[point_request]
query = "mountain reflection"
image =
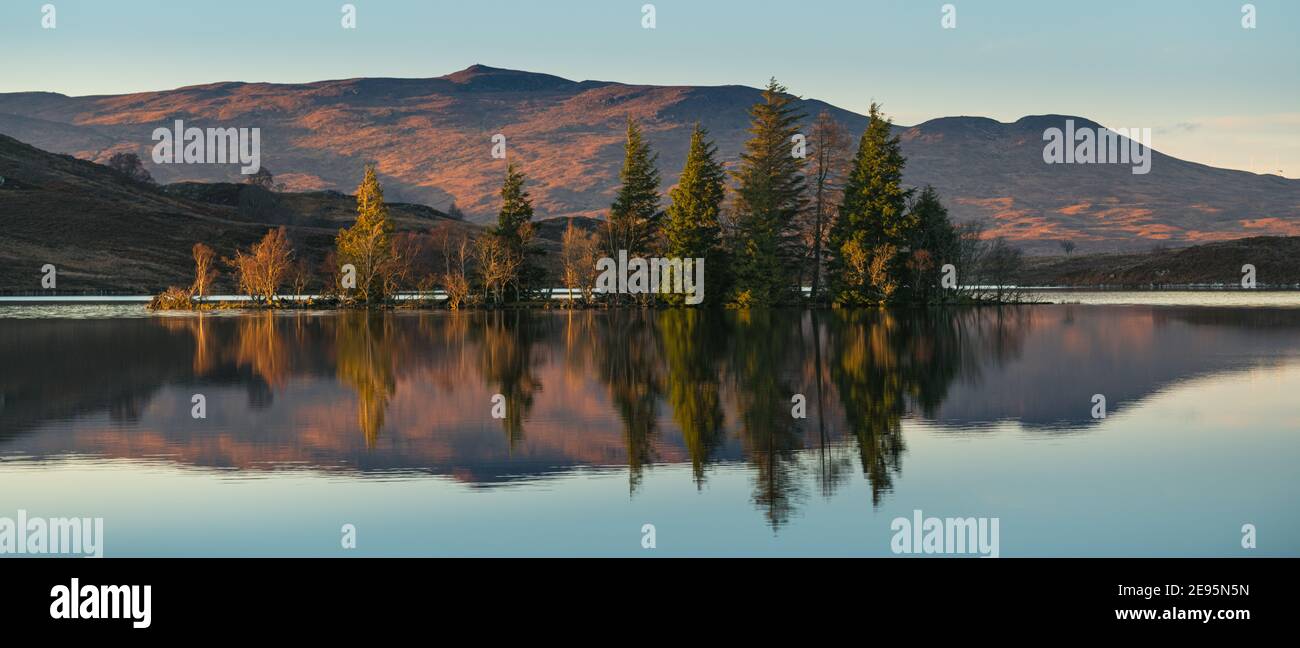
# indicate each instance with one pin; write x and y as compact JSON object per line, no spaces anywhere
{"x":412,"y":394}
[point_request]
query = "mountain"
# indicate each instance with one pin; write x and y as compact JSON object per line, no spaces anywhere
{"x":432,"y":140}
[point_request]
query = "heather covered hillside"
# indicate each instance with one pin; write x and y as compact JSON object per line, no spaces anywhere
{"x":432,"y":137}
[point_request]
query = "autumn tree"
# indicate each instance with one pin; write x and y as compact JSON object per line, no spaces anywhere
{"x":769,"y":195}
{"x":411,"y":262}
{"x":496,"y":264}
{"x":579,"y":253}
{"x":261,"y":271}
{"x":455,"y":278}
{"x":828,"y":165}
{"x":204,"y":272}
{"x":367,"y":245}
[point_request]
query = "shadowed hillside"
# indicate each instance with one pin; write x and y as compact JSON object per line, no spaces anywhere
{"x":104,"y":232}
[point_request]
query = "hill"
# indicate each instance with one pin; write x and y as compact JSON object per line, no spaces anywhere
{"x":106,"y":233}
{"x":1213,"y":263}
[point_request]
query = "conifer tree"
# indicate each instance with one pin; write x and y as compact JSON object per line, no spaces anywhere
{"x":692,"y":225}
{"x":769,"y":196}
{"x":515,"y":228}
{"x":874,"y":223}
{"x":516,"y":206}
{"x":933,"y":242}
{"x":634,"y":216}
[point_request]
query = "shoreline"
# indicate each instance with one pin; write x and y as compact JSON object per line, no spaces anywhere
{"x":226,"y":301}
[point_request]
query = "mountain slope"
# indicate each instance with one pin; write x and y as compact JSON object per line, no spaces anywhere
{"x":103,"y":232}
{"x":432,"y":140}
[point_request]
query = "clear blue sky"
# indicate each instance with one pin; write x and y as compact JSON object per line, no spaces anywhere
{"x":1210,"y":90}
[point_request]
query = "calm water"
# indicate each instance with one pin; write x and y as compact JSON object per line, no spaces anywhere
{"x":683,"y":420}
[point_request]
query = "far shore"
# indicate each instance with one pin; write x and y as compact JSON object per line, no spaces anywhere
{"x":561,"y":295}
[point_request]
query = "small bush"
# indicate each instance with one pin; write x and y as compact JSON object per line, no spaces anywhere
{"x":172,"y":299}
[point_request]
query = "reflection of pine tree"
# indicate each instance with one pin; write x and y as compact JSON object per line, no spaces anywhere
{"x":891,"y":362}
{"x":870,"y":384}
{"x":761,"y":366}
{"x":508,"y":366}
{"x":630,"y":368}
{"x":693,"y":342}
{"x":365,"y":351}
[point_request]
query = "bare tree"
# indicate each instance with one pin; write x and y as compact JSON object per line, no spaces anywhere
{"x":455,"y":281}
{"x":496,"y":264}
{"x":1067,"y":246}
{"x":970,"y":255}
{"x":1002,"y":263}
{"x":299,"y":277}
{"x":204,"y":273}
{"x":579,"y":252}
{"x":261,"y":271}
{"x":827,"y":169}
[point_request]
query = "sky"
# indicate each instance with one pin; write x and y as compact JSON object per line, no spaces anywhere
{"x":1210,"y":90}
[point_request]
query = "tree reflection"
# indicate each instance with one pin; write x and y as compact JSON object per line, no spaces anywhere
{"x":365,"y":352}
{"x":631,"y":368}
{"x":509,"y":366}
{"x":724,"y":379}
{"x":762,"y":368}
{"x":694,"y":342}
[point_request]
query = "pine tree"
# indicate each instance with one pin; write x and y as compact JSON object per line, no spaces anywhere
{"x":367,"y":245}
{"x":769,"y":197}
{"x":933,"y":242}
{"x":692,"y":226}
{"x":634,"y":216}
{"x":874,"y":223}
{"x":515,"y":228}
{"x":516,"y":205}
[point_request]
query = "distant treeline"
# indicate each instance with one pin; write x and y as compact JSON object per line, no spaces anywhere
{"x":798,"y":210}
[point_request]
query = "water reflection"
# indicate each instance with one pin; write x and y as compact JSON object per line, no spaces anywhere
{"x":413,"y":394}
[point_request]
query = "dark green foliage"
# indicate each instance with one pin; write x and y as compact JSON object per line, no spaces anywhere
{"x":769,"y":195}
{"x":933,"y":242}
{"x":873,"y":219}
{"x":515,"y":227}
{"x":692,"y":226}
{"x":634,"y":216}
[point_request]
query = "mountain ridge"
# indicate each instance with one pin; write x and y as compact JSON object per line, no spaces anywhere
{"x":431,"y":138}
